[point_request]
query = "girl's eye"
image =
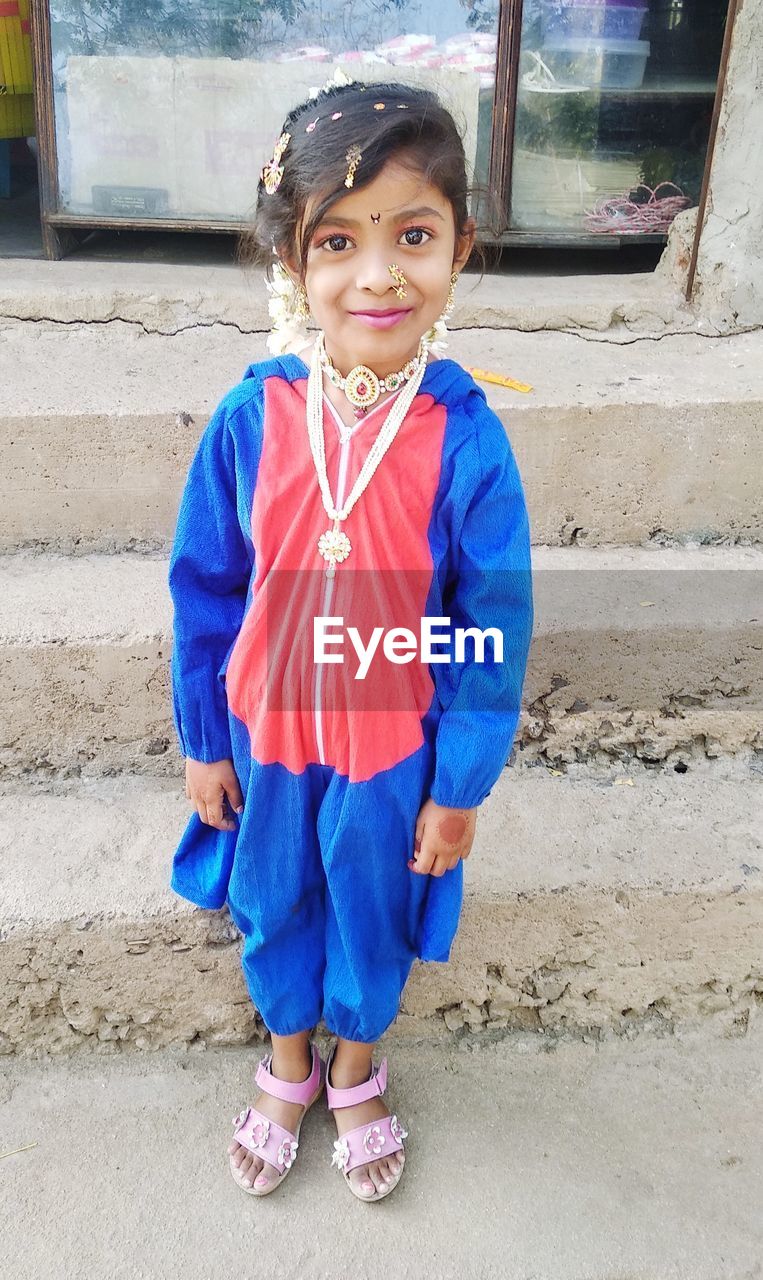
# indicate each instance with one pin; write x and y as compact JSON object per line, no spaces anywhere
{"x":335,"y":244}
{"x":415,"y":236}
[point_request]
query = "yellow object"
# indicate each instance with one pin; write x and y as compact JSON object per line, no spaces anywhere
{"x":16,"y":102}
{"x":484,"y":375}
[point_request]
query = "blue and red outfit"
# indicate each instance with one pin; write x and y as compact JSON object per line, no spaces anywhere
{"x":315,"y":875}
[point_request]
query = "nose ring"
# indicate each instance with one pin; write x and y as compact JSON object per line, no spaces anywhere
{"x":399,"y":280}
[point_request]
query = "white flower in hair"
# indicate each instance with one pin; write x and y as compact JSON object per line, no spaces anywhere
{"x":437,"y":337}
{"x":335,"y":82}
{"x":288,"y":331}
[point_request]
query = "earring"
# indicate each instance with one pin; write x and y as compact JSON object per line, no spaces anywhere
{"x":437,"y":337}
{"x":289,"y":310}
{"x":301,"y":304}
{"x":399,"y":280}
{"x":451,"y":299}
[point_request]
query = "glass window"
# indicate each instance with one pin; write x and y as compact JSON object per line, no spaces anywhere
{"x":613,"y":113}
{"x":169,"y":108}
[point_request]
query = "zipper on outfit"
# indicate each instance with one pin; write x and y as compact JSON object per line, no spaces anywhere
{"x":345,"y":434}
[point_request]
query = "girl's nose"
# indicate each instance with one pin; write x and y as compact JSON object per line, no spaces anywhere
{"x":373,"y":274}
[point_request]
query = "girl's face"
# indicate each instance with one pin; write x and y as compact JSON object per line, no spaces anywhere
{"x":397,"y":219}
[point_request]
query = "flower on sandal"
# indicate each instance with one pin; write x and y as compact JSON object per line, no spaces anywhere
{"x":341,"y":1156}
{"x":260,"y":1132}
{"x":240,"y":1118}
{"x":287,"y":1152}
{"x":397,"y":1130}
{"x":373,"y":1140}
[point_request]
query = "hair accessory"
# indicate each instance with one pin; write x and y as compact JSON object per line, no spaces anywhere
{"x":272,"y":172}
{"x":289,"y":309}
{"x":334,"y":82}
{"x":337,"y":115}
{"x":375,"y":217}
{"x":312,"y":124}
{"x":380,"y":106}
{"x":353,"y":159}
{"x":399,"y":279}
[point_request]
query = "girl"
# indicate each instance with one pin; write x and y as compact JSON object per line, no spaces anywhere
{"x":363,"y":479}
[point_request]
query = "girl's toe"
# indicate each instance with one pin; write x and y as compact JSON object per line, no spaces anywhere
{"x":252,"y":1170}
{"x":377,"y":1177}
{"x":265,"y":1175}
{"x":362,"y":1181}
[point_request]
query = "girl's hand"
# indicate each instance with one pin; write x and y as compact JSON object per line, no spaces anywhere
{"x":443,"y":836}
{"x":207,"y":785}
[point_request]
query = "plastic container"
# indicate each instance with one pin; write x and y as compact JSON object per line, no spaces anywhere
{"x":611,"y":21}
{"x":597,"y":63}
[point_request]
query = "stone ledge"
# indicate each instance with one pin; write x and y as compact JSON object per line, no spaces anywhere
{"x":627,"y":659}
{"x":651,"y":441}
{"x":589,"y":906}
{"x":168,"y":298}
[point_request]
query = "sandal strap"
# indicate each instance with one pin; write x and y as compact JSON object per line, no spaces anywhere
{"x":264,"y":1138}
{"x":371,"y":1088}
{"x":368,"y":1142}
{"x":301,"y":1092}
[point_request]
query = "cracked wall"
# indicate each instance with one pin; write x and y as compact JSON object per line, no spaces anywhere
{"x":728,"y":290}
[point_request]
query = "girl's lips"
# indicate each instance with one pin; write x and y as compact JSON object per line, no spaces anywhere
{"x":382,"y":319}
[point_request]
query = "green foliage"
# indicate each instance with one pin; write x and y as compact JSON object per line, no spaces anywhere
{"x":227,"y":27}
{"x":673,"y":164}
{"x":558,"y":124}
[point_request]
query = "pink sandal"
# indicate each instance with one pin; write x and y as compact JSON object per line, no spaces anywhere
{"x":261,"y":1135}
{"x":369,"y":1141}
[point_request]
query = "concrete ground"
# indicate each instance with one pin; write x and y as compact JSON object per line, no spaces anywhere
{"x":529,"y":1159}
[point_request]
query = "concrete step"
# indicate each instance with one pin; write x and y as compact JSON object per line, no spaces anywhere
{"x":169,"y":297}
{"x":649,"y":652}
{"x":593,"y":904}
{"x":590,"y":1162}
{"x":648,"y":442}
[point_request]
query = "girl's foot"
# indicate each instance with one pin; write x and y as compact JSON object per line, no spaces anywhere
{"x":256,"y":1172}
{"x":375,"y":1176}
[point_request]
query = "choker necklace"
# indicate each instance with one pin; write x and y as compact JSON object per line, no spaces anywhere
{"x":334,"y":545}
{"x":362,"y":387}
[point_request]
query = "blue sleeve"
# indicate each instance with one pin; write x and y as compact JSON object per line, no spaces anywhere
{"x":492,"y":588}
{"x":209,"y":573}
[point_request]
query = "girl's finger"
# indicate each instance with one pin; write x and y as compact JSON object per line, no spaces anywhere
{"x":422,"y":861}
{"x":235,"y":798}
{"x":216,"y":814}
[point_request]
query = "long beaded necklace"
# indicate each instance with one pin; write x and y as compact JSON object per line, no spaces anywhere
{"x":362,"y":387}
{"x":333,"y":544}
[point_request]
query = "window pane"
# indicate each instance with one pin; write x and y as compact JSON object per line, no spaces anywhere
{"x":169,"y":108}
{"x":613,"y":113}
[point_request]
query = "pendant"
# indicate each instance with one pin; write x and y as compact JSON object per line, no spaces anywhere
{"x":334,"y":546}
{"x":361,"y":386}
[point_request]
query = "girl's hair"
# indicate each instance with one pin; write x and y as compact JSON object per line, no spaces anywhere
{"x":413,"y":126}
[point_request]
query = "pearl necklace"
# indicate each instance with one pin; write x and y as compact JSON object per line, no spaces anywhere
{"x":362,"y":387}
{"x":333,"y":544}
